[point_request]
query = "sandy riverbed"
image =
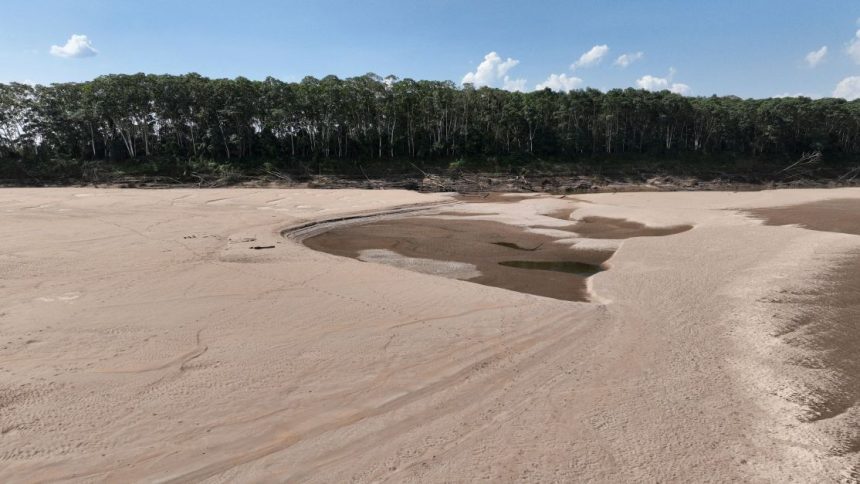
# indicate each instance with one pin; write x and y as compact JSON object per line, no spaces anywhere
{"x":142,"y":337}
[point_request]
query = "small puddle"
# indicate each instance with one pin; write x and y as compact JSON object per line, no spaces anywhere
{"x":579,"y":268}
{"x":495,"y":250}
{"x":480,"y":251}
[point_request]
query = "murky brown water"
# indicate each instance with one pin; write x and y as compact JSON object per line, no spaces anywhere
{"x":485,"y":244}
{"x":578,"y":268}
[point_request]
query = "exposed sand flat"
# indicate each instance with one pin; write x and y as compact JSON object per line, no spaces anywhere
{"x":142,"y":338}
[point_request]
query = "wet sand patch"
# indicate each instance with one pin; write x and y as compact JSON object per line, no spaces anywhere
{"x":836,"y":215}
{"x":449,"y":269}
{"x":616,"y":228}
{"x":484,"y":244}
{"x":824,"y":335}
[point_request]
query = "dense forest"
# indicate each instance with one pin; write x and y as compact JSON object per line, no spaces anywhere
{"x":179,"y":124}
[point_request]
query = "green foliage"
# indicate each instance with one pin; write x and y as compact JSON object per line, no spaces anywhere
{"x":457,"y":164}
{"x":181,"y":125}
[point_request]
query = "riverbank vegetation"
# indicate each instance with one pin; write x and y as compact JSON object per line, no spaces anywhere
{"x":179,"y":126}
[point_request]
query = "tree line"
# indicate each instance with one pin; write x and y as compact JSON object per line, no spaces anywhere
{"x":139,"y":119}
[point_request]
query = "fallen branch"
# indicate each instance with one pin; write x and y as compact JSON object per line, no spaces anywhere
{"x":805,"y":160}
{"x":369,"y":181}
{"x":853,"y":173}
{"x":279,"y":175}
{"x":419,"y":169}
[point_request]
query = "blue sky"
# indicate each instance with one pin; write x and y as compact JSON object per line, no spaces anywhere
{"x":751,"y":48}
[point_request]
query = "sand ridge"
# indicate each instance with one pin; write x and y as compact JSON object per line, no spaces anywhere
{"x":144,"y":339}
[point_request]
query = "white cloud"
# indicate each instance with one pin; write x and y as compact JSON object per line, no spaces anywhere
{"x":854,"y":48}
{"x":514,"y":84}
{"x":77,"y":46}
{"x":560,"y":82}
{"x":680,"y":88}
{"x":652,"y":83}
{"x":848,"y":88}
{"x":507,"y":65}
{"x":816,"y":56}
{"x":493,"y":71}
{"x":591,"y":57}
{"x":625,"y":60}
